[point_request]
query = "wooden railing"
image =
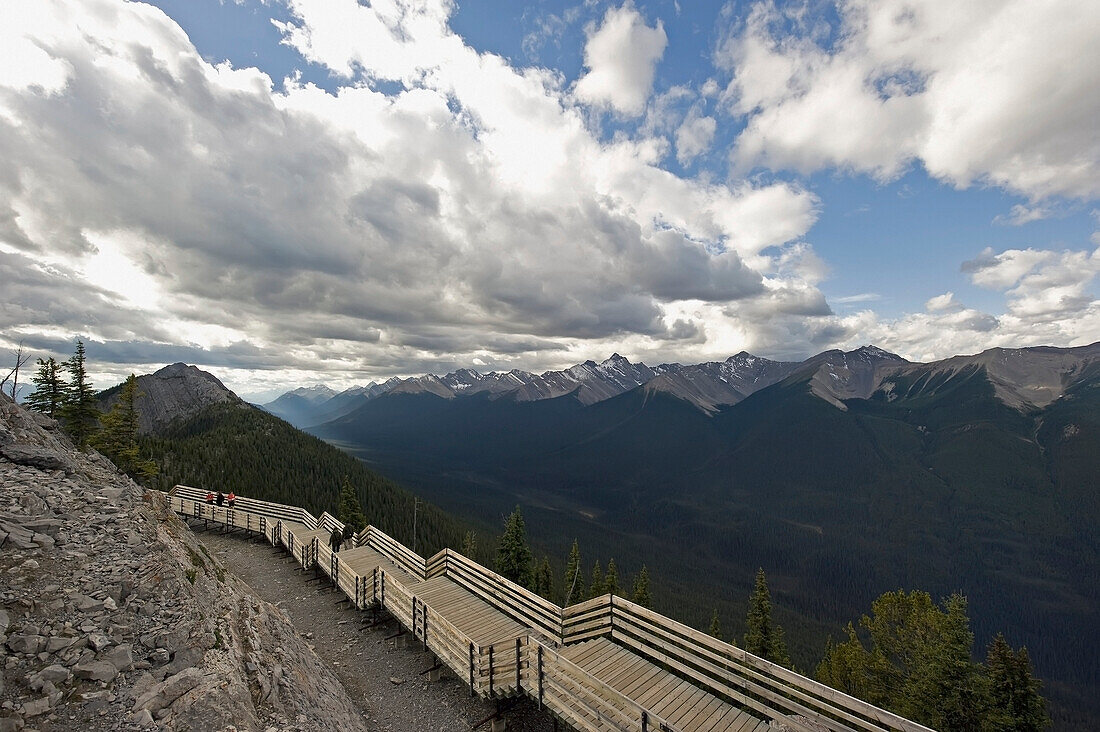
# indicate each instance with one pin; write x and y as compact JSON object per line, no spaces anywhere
{"x":532,"y":664}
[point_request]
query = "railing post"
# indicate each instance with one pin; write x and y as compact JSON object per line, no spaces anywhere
{"x":518,"y":680}
{"x":383,"y":573}
{"x":424,"y":623}
{"x":540,"y":675}
{"x":374,"y":585}
{"x":414,"y":616}
{"x":645,"y":721}
{"x":491,"y":672}
{"x":358,"y":579}
{"x":472,"y":692}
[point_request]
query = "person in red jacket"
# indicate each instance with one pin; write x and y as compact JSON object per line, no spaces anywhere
{"x":231,"y":499}
{"x":210,"y":498}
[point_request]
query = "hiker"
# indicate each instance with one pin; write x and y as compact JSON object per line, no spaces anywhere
{"x":336,"y":540}
{"x":220,"y":499}
{"x":210,"y":498}
{"x":231,"y":499}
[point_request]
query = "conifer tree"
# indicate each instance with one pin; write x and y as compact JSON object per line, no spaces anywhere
{"x":764,"y":638}
{"x":1015,"y":704}
{"x":513,"y":554}
{"x":611,"y":579}
{"x":117,"y":436}
{"x":946,"y":685}
{"x":715,"y":625}
{"x":469,"y":545}
{"x":49,"y":391}
{"x":640,"y":593}
{"x":79,"y":411}
{"x":544,"y":580}
{"x":350,"y":511}
{"x":574,"y":583}
{"x":596,"y":587}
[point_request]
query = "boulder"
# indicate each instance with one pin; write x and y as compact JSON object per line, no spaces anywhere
{"x":121,"y":657}
{"x":26,"y":643}
{"x":95,"y":670}
{"x":163,"y":694}
{"x":34,"y":456}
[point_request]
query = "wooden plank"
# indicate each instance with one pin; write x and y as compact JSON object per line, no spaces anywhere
{"x":793,"y":679}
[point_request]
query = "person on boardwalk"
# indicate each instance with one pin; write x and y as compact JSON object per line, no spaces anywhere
{"x":210,"y":498}
{"x":220,"y":499}
{"x":231,"y":499}
{"x":336,"y":540}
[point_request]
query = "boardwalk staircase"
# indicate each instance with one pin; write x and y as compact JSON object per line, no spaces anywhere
{"x":604,"y":664}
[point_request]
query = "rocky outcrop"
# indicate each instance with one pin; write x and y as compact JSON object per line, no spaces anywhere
{"x":173,"y":392}
{"x":114,"y":617}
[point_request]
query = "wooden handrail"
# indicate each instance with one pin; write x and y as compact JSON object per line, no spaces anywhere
{"x":714,"y":666}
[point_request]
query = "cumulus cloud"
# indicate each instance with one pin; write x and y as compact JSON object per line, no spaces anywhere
{"x":621,"y":56}
{"x":958,"y":87}
{"x":468,"y":213}
{"x":694,"y":135}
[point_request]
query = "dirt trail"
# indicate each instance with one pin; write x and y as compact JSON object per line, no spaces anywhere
{"x":387,"y":683}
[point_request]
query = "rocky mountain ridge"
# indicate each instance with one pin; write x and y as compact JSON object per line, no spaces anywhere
{"x":112,"y":615}
{"x":1024,"y":378}
{"x":175,"y":391}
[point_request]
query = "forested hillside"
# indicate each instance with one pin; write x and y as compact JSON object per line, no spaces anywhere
{"x":236,"y":447}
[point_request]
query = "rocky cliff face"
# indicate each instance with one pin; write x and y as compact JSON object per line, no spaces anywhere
{"x":174,"y":391}
{"x":113,"y":616}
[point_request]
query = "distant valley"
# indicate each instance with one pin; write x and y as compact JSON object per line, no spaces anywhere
{"x":844,"y":475}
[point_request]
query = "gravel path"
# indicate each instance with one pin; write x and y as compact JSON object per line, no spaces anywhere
{"x":387,"y":683}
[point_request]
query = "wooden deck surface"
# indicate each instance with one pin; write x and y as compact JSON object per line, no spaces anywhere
{"x":477,"y":619}
{"x":684,"y":705}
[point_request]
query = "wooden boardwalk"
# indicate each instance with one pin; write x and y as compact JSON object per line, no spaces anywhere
{"x":605,"y":664}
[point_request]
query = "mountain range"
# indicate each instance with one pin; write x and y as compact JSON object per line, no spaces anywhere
{"x":843,"y":476}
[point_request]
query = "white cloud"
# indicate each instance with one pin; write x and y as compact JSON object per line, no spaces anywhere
{"x":1021,"y":214}
{"x":621,"y":56}
{"x":187,"y":206}
{"x":694,"y":136}
{"x":1001,"y":271}
{"x":942,"y":303}
{"x":961,"y":88}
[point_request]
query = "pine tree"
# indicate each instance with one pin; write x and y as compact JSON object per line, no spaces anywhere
{"x":596,"y":587}
{"x":118,"y":434}
{"x":544,"y":580}
{"x":513,"y":554}
{"x":640,"y":594}
{"x":843,"y":665}
{"x":715,"y":625}
{"x":350,"y":511}
{"x":946,"y":686}
{"x":764,"y":638}
{"x":574,"y":583}
{"x":1015,"y":704}
{"x":49,"y":391}
{"x":469,"y":545}
{"x":79,"y":411}
{"x":611,"y":579}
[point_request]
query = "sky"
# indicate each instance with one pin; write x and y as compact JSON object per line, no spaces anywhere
{"x":291,"y":192}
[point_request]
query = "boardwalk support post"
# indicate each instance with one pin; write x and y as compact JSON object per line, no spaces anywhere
{"x":645,"y":721}
{"x":540,"y":678}
{"x":472,"y":692}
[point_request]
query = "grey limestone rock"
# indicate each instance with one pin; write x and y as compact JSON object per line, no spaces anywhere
{"x":167,"y":691}
{"x":95,"y":670}
{"x":34,"y":456}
